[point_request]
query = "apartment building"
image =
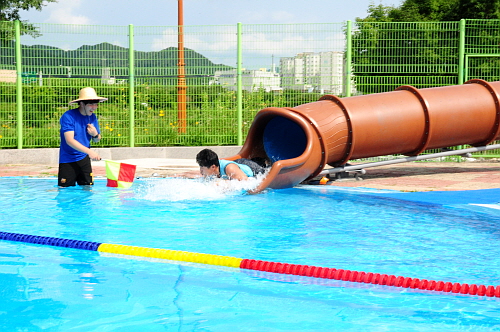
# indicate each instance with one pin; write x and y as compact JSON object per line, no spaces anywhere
{"x":322,"y":72}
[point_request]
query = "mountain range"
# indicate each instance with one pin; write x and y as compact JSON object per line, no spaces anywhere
{"x":89,"y":60}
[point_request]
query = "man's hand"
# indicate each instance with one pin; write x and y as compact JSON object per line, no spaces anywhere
{"x":91,"y":130}
{"x":94,"y":155}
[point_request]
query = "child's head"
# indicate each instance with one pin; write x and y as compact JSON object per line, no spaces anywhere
{"x":209,"y":162}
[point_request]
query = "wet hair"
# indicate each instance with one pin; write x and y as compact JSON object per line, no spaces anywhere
{"x":207,"y":158}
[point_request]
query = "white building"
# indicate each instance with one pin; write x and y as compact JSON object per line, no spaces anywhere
{"x":292,"y":73}
{"x":251,"y":80}
{"x":323,"y":72}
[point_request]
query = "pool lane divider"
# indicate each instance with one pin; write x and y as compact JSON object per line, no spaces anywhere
{"x":259,"y":265}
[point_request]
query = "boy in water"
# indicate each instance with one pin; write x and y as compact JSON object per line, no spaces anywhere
{"x":240,"y":169}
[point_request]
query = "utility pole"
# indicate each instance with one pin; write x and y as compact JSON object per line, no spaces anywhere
{"x":181,"y":75}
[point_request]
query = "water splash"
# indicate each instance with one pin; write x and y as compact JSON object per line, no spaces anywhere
{"x":182,"y":189}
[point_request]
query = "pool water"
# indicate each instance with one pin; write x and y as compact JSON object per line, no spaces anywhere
{"x":59,"y":289}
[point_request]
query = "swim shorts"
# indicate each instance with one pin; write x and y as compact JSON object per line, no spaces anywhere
{"x":256,"y":168}
{"x":76,"y":172}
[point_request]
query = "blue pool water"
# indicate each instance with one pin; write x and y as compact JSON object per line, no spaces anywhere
{"x":47,"y":288}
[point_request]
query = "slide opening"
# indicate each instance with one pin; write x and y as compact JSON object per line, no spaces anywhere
{"x":283,"y":139}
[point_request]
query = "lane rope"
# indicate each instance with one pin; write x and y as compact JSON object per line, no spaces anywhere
{"x":260,"y":265}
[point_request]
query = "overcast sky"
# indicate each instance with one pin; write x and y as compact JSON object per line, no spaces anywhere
{"x":200,"y":12}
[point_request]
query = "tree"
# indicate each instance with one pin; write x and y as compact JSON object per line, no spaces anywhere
{"x":9,"y":9}
{"x":9,"y":12}
{"x":475,"y":9}
{"x":434,"y":11}
{"x":417,"y":43}
{"x":424,"y":10}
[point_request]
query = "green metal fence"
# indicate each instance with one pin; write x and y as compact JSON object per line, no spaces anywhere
{"x":232,"y":72}
{"x":422,"y":54}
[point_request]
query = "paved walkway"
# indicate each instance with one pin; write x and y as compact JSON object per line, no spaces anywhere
{"x":429,"y":176}
{"x":413,"y":176}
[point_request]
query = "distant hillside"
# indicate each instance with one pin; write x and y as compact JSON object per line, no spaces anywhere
{"x":88,"y":61}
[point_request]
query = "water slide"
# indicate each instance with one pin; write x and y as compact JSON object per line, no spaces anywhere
{"x":300,"y":141}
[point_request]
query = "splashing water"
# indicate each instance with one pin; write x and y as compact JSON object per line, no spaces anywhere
{"x":181,"y":189}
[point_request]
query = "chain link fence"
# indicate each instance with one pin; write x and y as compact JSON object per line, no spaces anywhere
{"x":231,"y":72}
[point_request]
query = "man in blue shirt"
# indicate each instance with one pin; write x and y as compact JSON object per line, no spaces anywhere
{"x":78,"y":127}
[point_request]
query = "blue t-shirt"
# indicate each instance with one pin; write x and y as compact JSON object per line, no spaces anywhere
{"x":222,"y":168}
{"x":73,"y":120}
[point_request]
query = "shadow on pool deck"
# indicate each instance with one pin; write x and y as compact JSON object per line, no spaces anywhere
{"x":413,"y":176}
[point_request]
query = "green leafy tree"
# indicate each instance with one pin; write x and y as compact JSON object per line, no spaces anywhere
{"x":423,"y":10}
{"x":434,"y":10}
{"x":474,"y":9}
{"x":417,"y":42}
{"x":10,"y":12}
{"x":9,"y":9}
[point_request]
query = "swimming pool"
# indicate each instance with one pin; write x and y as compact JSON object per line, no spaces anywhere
{"x":55,"y":289}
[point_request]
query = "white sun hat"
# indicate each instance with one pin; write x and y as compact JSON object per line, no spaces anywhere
{"x":88,"y":94}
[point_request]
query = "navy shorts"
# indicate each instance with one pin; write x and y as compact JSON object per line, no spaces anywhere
{"x":256,"y":168}
{"x":76,"y":172}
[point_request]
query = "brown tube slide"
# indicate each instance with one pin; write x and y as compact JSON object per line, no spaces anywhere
{"x":299,"y":142}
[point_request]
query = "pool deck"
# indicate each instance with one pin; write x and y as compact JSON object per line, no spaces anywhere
{"x":411,"y":176}
{"x":429,"y":176}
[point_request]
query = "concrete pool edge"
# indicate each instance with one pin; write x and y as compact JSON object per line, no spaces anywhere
{"x":50,"y":156}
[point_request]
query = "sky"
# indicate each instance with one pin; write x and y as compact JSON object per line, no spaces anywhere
{"x":200,"y":12}
{"x":213,"y":42}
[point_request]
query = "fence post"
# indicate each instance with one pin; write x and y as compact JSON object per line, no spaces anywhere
{"x":131,"y":80}
{"x":19,"y":86}
{"x":239,"y":92}
{"x":461,"y":52}
{"x":348,"y":59}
